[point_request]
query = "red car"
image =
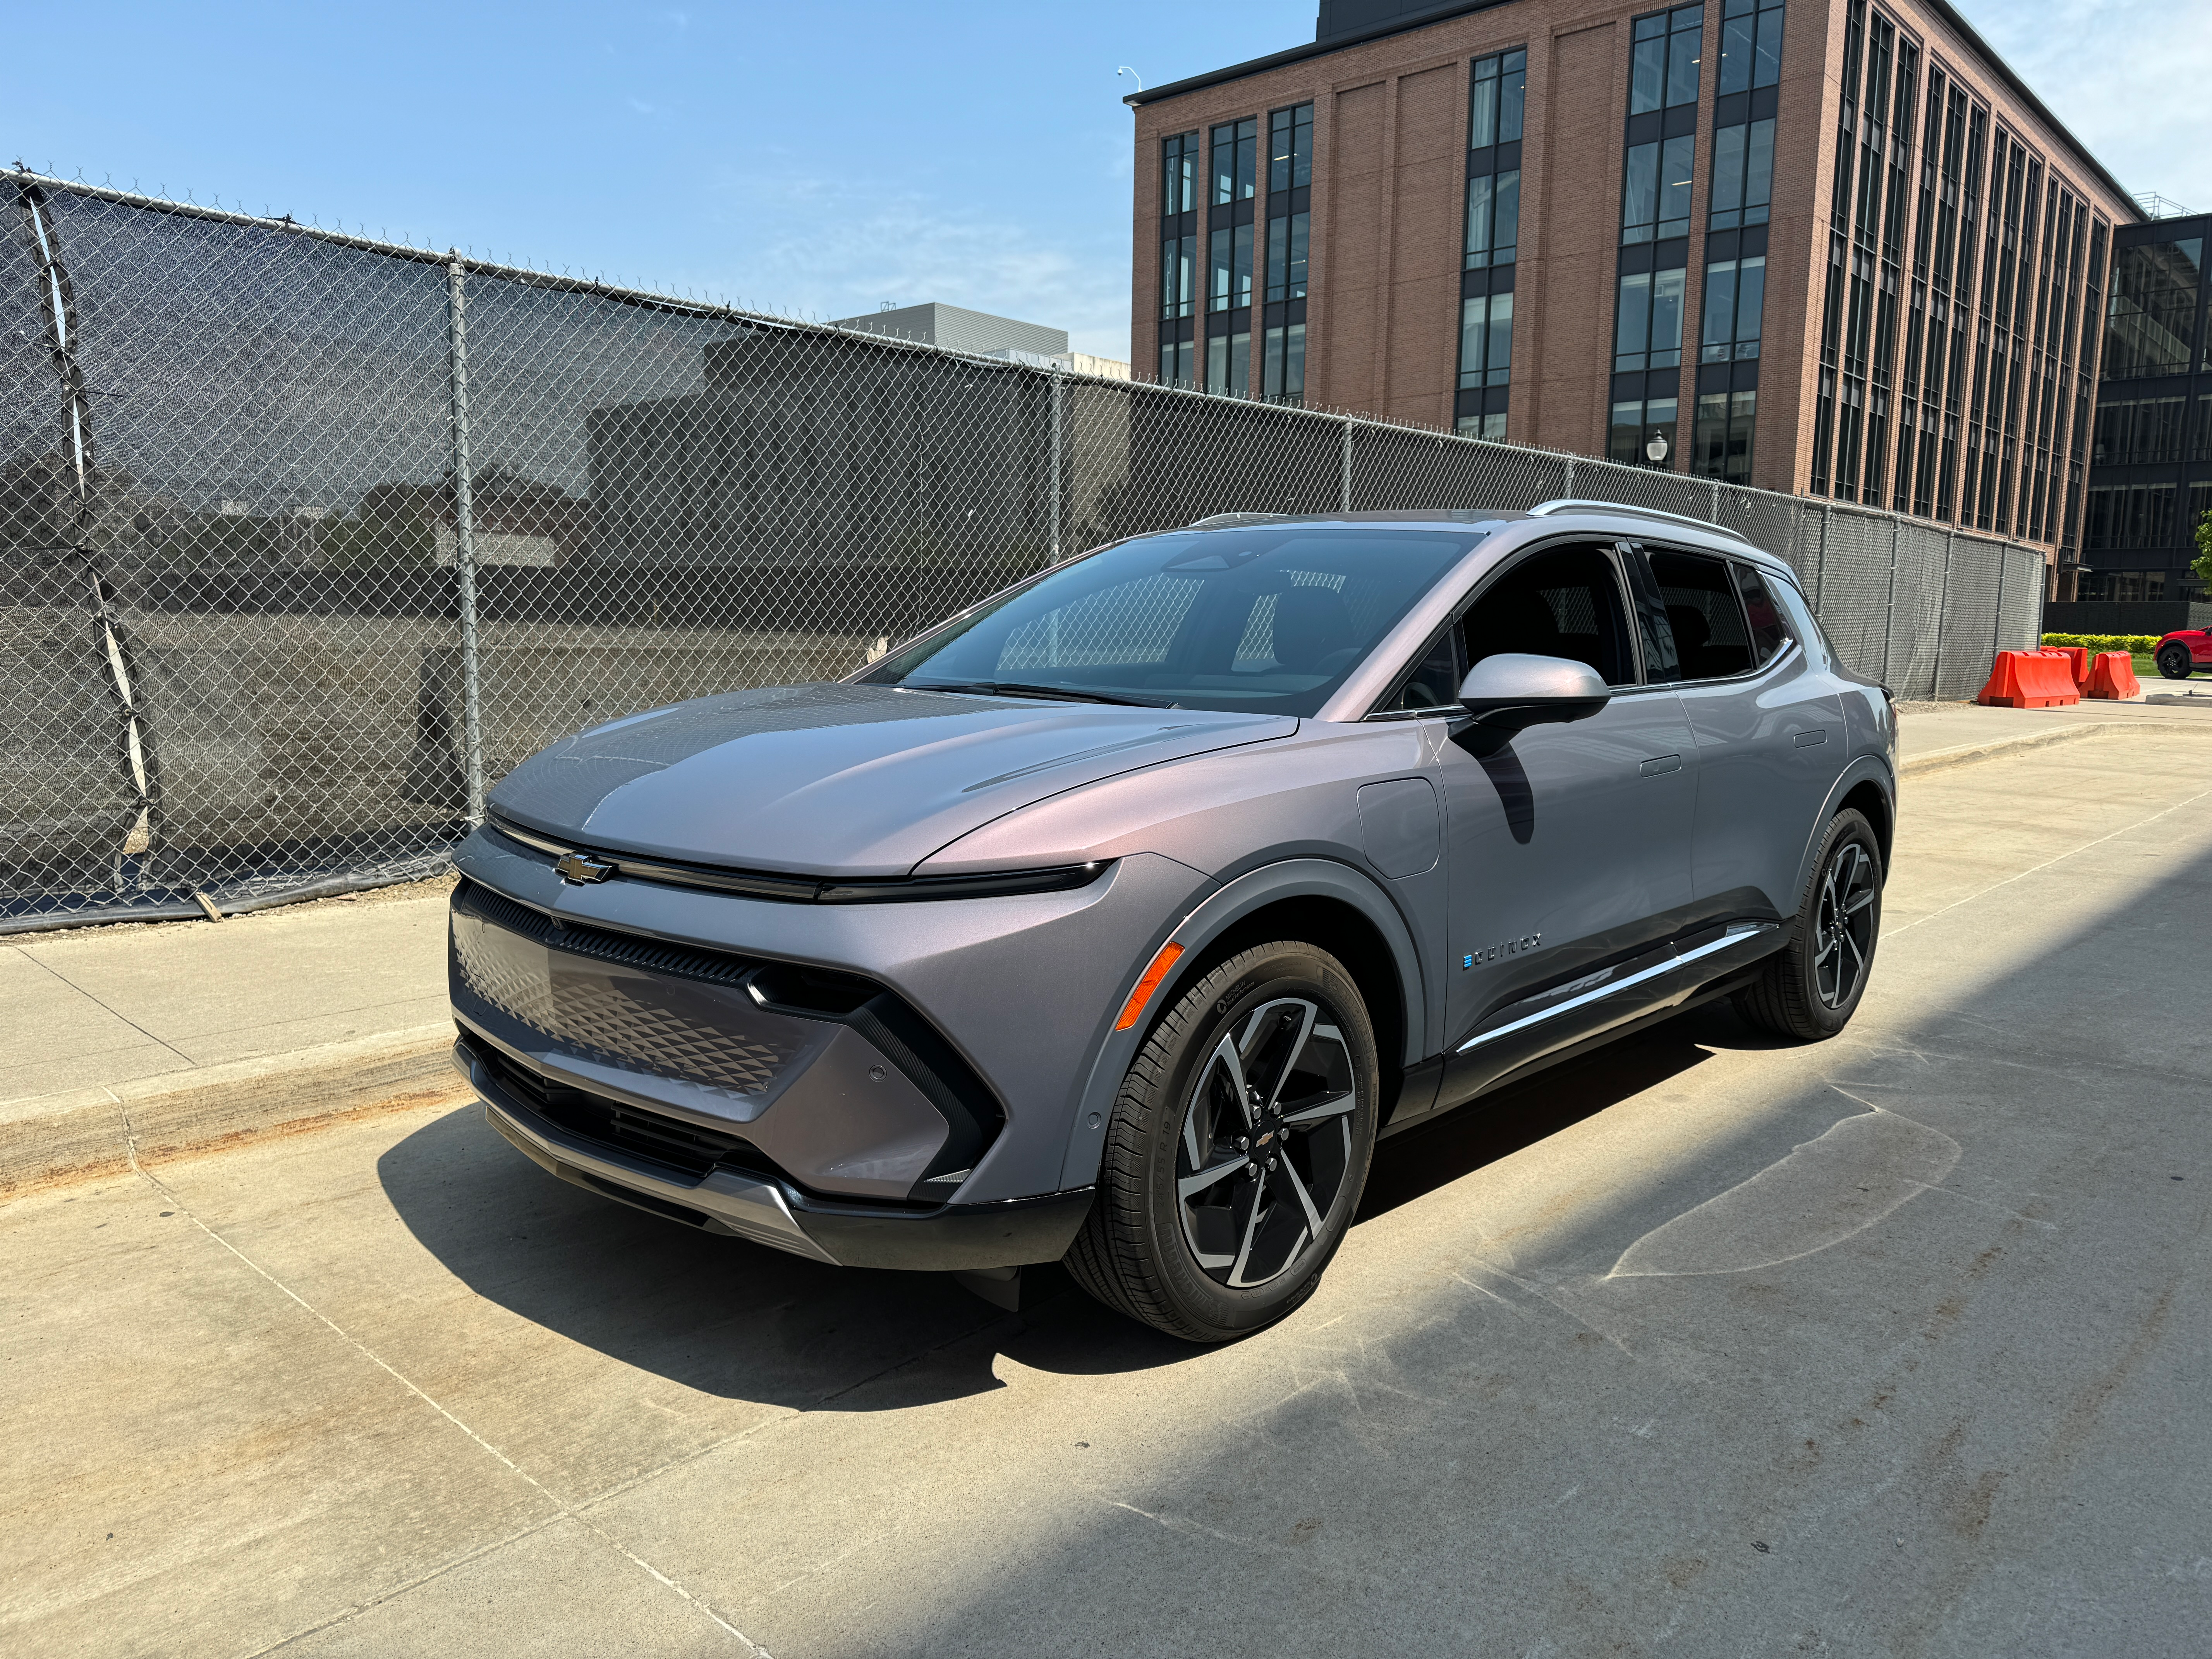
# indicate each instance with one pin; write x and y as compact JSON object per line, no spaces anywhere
{"x":2183,"y":652}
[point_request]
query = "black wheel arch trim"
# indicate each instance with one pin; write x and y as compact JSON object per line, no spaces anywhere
{"x":1213,"y":915}
{"x":1867,"y":769}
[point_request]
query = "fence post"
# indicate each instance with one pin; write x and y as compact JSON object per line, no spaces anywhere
{"x":1997,"y":624}
{"x":1717,"y":501}
{"x":1820,"y":570}
{"x":1942,"y":610}
{"x":1057,"y":389}
{"x":1889,"y":622}
{"x":1346,"y":482}
{"x":464,"y":538}
{"x":1568,"y":491}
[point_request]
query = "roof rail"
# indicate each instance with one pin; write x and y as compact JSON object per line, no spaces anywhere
{"x":1580,"y":505}
{"x":1223,"y":520}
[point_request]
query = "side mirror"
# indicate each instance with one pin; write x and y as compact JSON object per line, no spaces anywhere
{"x":1510,"y":692}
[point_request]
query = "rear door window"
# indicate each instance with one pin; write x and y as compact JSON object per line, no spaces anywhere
{"x":1769,"y":633}
{"x":1712,"y":636}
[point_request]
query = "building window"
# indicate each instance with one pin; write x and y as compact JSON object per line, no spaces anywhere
{"x":1665,"y":69}
{"x":1743,"y":174}
{"x":1495,"y":100}
{"x":1486,"y":340}
{"x":2126,"y":517}
{"x":1655,"y":196}
{"x":1648,"y":326}
{"x":1642,"y":432}
{"x":1493,"y":219}
{"x":1178,"y":273}
{"x":1175,"y":362}
{"x":1228,"y":363}
{"x":2152,"y":320}
{"x":1290,"y":149}
{"x":1735,"y":290}
{"x":1284,"y":377}
{"x":1751,"y":43}
{"x":2139,"y":429}
{"x":1489,"y":427}
{"x":1723,"y":434}
{"x":1179,"y":173}
{"x":1236,"y":149}
{"x":1287,"y":257}
{"x":2202,"y":449}
{"x":1229,"y":284}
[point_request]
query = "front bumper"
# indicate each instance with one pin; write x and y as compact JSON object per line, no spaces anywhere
{"x":954,"y":1237}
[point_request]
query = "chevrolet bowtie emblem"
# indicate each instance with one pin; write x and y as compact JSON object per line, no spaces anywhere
{"x":581,"y":868}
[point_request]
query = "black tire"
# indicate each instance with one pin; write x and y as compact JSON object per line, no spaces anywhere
{"x":2174,"y":662}
{"x":1810,"y":989}
{"x":1189,"y":1234}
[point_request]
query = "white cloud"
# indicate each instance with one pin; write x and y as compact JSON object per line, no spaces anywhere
{"x":2128,"y":77}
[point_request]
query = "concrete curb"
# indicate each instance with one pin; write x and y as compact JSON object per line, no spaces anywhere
{"x":91,"y":1131}
{"x":1997,"y":748}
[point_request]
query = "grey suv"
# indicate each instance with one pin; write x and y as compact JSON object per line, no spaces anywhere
{"x":1113,"y":919}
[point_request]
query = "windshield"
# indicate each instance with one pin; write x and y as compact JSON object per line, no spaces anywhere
{"x":1268,"y":620}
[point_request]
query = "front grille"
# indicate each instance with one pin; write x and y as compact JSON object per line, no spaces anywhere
{"x":621,"y":1019}
{"x":688,"y":1147}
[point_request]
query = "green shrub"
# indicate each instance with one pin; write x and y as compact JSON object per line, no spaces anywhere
{"x":2135,"y":644}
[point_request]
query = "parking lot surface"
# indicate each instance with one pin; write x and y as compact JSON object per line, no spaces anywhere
{"x":1706,"y":1344}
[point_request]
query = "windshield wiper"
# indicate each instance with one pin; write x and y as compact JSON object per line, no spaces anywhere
{"x":1021,"y":688}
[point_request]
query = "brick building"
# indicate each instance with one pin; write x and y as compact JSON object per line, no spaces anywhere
{"x":1825,"y":247}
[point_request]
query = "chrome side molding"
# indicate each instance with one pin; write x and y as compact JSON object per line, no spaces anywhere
{"x":1737,"y":934}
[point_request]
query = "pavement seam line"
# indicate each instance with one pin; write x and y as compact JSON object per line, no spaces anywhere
{"x":2058,"y":859}
{"x":104,"y":1008}
{"x":566,"y":1511}
{"x":416,"y":1583}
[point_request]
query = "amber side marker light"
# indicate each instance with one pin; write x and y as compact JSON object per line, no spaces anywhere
{"x":1134,"y":1010}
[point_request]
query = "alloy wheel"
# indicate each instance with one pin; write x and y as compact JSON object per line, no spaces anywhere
{"x":1843,"y":926}
{"x":1266,"y":1142}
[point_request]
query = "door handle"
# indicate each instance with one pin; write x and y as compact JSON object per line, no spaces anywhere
{"x":1660,"y":763}
{"x":1807,"y":739}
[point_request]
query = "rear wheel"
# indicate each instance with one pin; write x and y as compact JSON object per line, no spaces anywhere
{"x":1238,"y":1148}
{"x":2173,"y":662}
{"x":1810,"y":989}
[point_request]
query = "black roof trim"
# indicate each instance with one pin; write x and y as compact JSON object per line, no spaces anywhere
{"x":1399,"y":25}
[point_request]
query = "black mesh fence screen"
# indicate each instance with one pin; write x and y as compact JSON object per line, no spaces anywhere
{"x":309,"y":540}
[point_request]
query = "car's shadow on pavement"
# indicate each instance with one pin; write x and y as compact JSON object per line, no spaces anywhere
{"x":743,"y":1320}
{"x":1424,"y":1158}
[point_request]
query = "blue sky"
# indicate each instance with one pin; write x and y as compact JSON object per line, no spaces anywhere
{"x":815,"y":158}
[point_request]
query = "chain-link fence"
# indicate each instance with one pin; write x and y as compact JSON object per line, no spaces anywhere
{"x":308,"y":539}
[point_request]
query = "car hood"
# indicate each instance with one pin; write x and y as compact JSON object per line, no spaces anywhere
{"x":839,"y":780}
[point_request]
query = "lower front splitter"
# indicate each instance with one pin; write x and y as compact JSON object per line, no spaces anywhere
{"x":952,"y":1238}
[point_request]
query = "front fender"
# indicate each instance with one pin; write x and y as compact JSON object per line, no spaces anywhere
{"x":1303,"y":878}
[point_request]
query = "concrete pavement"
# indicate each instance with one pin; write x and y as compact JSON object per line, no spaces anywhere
{"x":1706,"y":1344}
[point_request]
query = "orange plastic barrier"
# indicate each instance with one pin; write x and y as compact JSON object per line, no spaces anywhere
{"x":2030,"y":680}
{"x":2078,"y":657}
{"x":2112,"y":676}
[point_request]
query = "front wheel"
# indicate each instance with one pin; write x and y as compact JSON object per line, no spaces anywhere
{"x":1810,"y":989}
{"x":2174,"y":662}
{"x":1238,"y":1148}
